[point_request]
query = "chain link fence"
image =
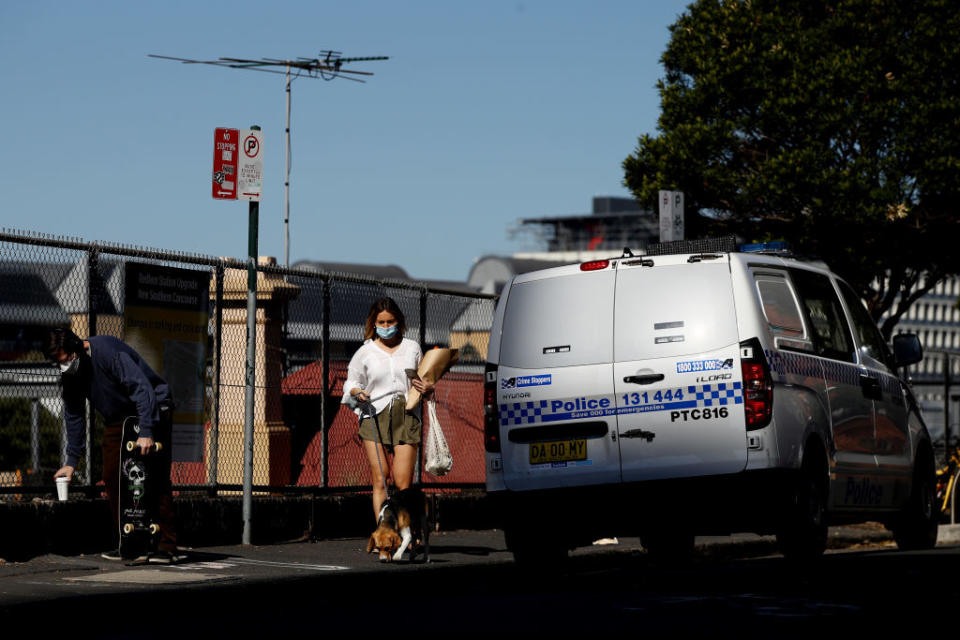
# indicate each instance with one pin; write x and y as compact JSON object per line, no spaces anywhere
{"x":188,"y":313}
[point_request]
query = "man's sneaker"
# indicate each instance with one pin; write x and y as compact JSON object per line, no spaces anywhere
{"x":113,"y":554}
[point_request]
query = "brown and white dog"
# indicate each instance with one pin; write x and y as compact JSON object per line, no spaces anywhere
{"x":400,"y":520}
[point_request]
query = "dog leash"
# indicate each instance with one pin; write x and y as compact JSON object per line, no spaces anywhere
{"x":376,"y":427}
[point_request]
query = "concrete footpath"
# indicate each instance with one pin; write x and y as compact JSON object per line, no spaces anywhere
{"x":36,"y":583}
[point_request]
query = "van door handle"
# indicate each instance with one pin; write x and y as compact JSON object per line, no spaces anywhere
{"x":649,"y":378}
{"x":639,"y":433}
{"x":871,"y":387}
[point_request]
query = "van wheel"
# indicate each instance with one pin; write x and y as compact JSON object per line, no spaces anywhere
{"x":533,"y":545}
{"x":803,"y":532}
{"x":668,"y":545}
{"x":916,"y":527}
{"x":534,"y":552}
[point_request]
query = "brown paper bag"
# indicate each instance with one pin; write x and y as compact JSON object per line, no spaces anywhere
{"x":435,"y":363}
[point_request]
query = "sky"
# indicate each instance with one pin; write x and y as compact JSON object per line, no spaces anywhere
{"x":485,"y":113}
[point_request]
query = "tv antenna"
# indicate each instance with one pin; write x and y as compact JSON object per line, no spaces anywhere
{"x":328,"y":65}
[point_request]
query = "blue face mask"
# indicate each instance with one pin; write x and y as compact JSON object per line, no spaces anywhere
{"x":387,"y":332}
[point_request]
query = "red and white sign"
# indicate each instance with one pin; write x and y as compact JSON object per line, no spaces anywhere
{"x":225,"y":151}
{"x":237,"y":164}
{"x":250,"y":165}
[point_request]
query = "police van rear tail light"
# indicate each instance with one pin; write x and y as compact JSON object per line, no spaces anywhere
{"x":594,"y":265}
{"x":491,"y":412}
{"x":757,"y":385}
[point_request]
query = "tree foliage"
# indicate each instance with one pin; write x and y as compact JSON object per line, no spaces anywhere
{"x":835,"y":125}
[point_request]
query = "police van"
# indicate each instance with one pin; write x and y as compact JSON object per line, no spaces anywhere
{"x":699,"y":389}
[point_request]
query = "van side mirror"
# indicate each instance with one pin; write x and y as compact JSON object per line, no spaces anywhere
{"x":907,"y":349}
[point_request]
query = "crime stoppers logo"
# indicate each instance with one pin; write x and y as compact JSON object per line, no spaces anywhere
{"x":526,"y":381}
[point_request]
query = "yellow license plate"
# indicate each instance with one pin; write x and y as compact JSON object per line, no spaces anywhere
{"x":558,"y":451}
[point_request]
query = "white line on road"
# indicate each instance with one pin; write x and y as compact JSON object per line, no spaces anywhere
{"x":290,"y":565}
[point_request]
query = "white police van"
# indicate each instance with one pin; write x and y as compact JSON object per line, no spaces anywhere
{"x":699,"y":389}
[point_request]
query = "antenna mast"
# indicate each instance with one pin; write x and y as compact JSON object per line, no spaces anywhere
{"x":328,"y":65}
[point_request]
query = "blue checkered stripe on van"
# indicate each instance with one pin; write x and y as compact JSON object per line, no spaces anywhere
{"x":694,"y":396}
{"x":841,"y":372}
{"x":720,"y":394}
{"x":784,"y":362}
{"x":846,"y":373}
{"x":522,"y":412}
{"x":891,"y":384}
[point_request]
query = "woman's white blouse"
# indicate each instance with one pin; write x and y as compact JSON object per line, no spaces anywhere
{"x":382,"y":375}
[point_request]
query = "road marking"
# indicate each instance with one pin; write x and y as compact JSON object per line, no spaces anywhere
{"x":290,"y":565}
{"x":758,"y":605}
{"x":199,"y":566}
{"x":147,"y":576}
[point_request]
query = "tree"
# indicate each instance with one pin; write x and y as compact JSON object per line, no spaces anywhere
{"x":835,"y":125}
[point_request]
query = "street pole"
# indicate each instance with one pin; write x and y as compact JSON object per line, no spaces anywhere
{"x":947,"y":383}
{"x":286,"y":185}
{"x":254,"y":217}
{"x":328,"y":65}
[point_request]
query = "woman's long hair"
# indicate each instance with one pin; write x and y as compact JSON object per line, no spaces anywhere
{"x":383,"y":304}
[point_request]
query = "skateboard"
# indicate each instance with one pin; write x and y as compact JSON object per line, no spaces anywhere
{"x":139,"y":530}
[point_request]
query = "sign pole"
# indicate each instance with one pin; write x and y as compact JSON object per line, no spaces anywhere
{"x":252,"y":250}
{"x":238,"y":175}
{"x":286,"y":185}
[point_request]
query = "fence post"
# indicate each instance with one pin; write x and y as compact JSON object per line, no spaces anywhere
{"x":35,"y":434}
{"x":325,"y":386}
{"x":93,"y":303}
{"x":212,"y":479}
{"x":423,"y":345}
{"x":93,"y":289}
{"x":946,"y":402}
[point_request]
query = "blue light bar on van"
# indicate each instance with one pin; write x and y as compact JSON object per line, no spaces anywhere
{"x":778,"y":246}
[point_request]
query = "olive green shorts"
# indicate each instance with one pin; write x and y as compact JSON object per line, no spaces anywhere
{"x":394,"y":426}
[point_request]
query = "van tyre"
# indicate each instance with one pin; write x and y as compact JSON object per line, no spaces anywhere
{"x":668,"y":545}
{"x":803,"y":531}
{"x":916,"y":528}
{"x":532,"y":551}
{"x":533,"y":545}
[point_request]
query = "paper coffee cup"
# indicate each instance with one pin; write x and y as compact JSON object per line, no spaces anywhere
{"x":63,"y":485}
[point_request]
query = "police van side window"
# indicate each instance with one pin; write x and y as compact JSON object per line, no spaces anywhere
{"x":871,"y":342}
{"x":779,"y":306}
{"x":821,"y":306}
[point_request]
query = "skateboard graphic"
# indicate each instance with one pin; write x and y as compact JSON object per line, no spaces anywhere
{"x":139,"y":530}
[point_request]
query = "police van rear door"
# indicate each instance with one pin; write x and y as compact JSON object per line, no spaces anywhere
{"x":555,"y":380}
{"x":677,"y":376}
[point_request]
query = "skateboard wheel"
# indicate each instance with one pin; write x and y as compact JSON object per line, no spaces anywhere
{"x":130,"y":445}
{"x":158,"y":446}
{"x":154,"y":529}
{"x":128,"y":528}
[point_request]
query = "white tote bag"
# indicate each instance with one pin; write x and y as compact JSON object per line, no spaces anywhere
{"x":439,"y":461}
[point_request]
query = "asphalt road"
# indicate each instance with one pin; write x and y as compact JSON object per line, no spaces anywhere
{"x":472,"y":585}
